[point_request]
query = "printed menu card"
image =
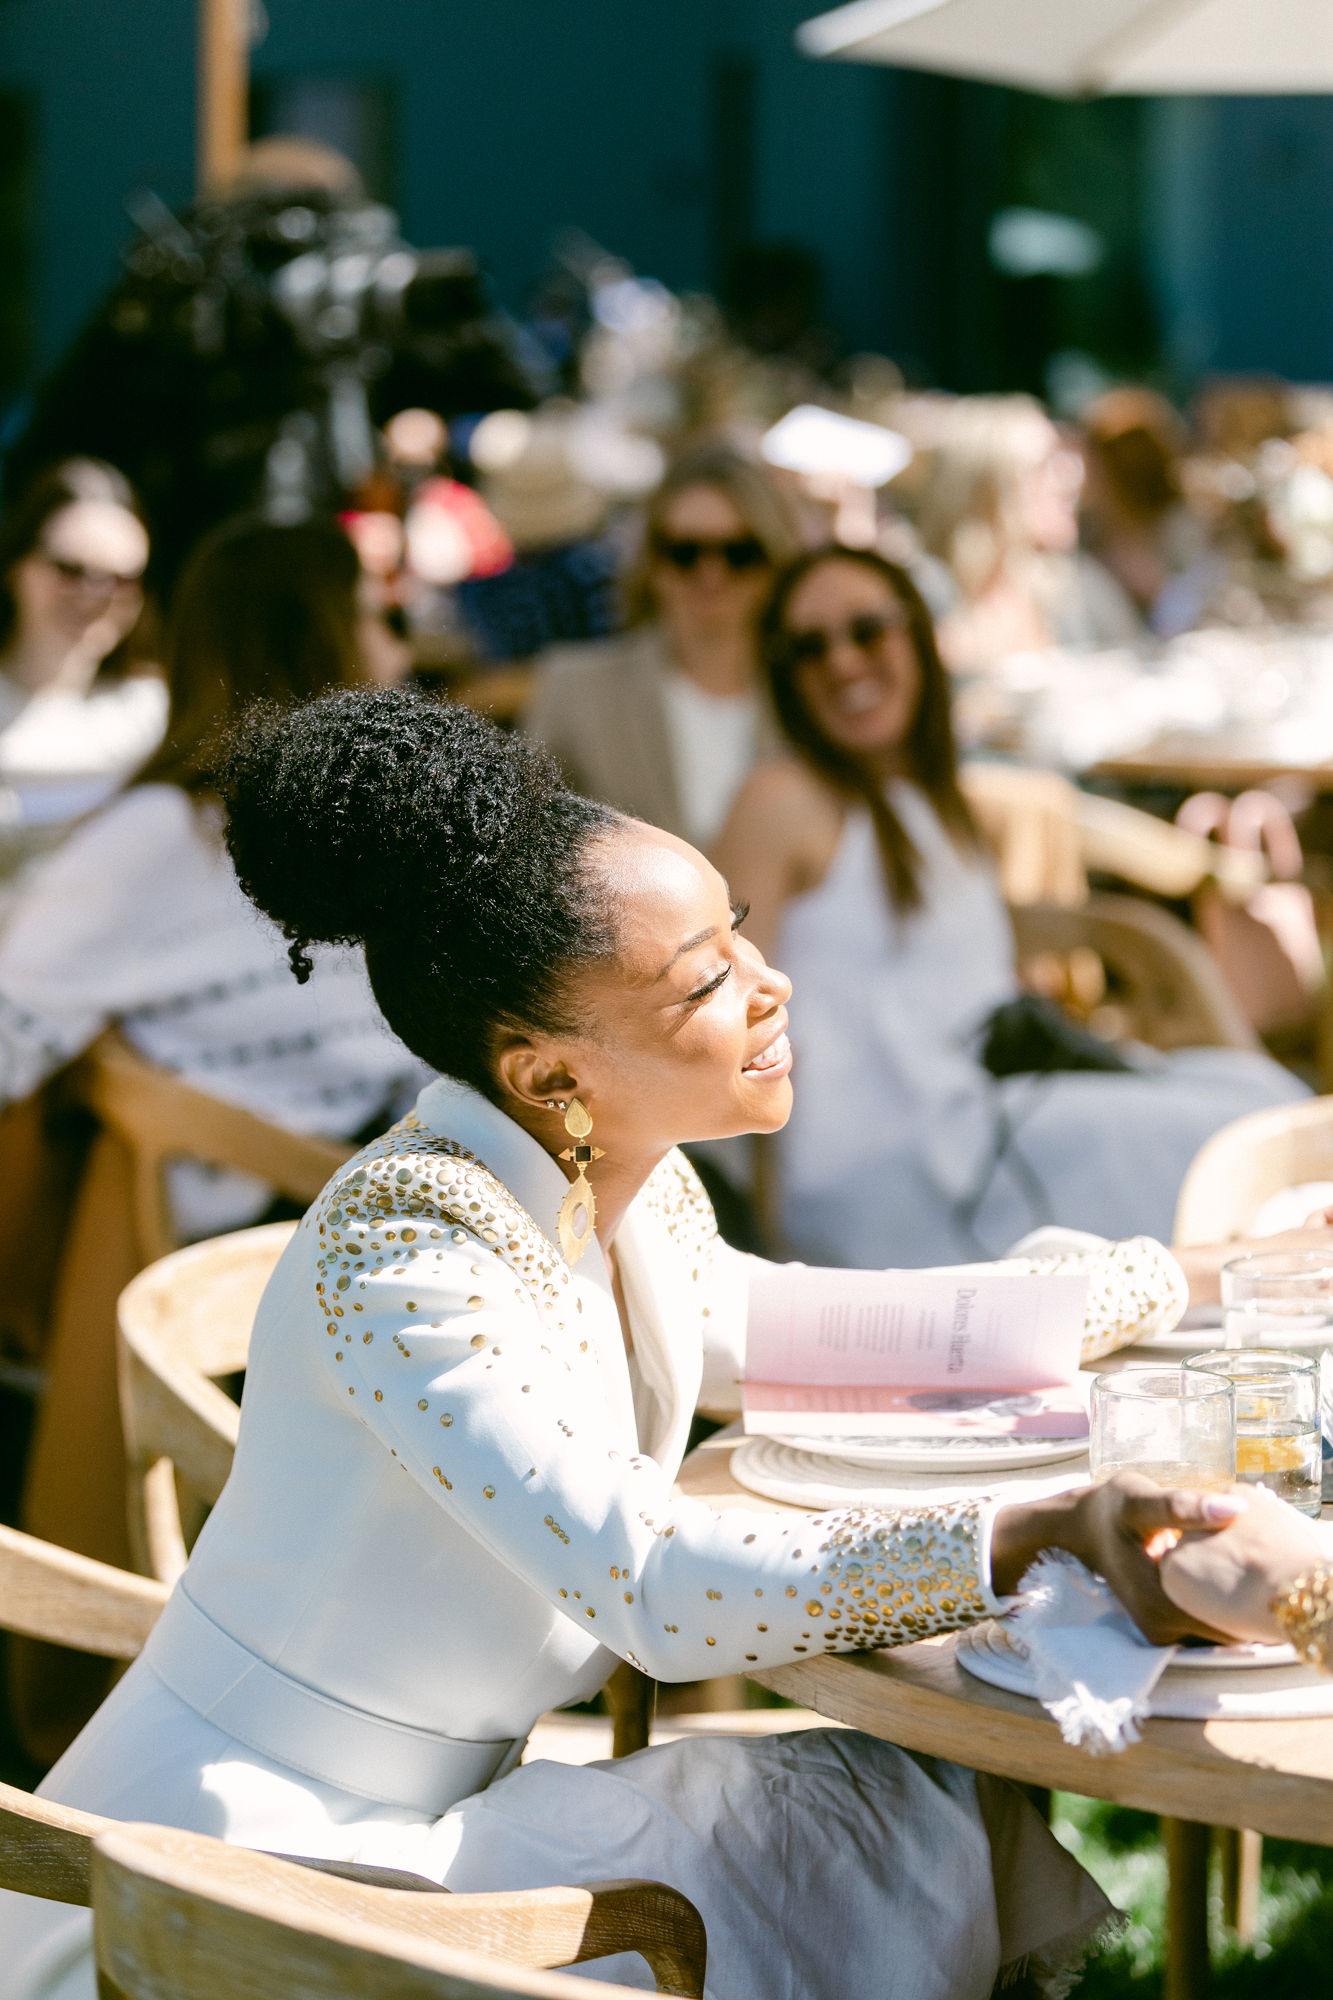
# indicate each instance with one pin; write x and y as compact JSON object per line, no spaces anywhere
{"x":973,"y":1350}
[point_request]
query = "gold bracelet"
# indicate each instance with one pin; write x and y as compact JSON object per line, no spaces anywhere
{"x":1305,"y":1614}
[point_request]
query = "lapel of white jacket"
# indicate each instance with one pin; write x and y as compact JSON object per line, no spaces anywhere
{"x":665,"y":1299}
{"x":663,"y":1302}
{"x":456,"y":1111}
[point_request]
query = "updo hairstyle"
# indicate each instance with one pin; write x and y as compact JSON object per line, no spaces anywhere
{"x":449,"y":849}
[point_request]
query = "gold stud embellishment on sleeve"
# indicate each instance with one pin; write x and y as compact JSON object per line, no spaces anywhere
{"x":902,"y":1575}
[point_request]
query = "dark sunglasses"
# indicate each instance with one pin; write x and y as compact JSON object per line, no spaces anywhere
{"x":739,"y":554}
{"x":80,"y":574}
{"x":866,"y":631}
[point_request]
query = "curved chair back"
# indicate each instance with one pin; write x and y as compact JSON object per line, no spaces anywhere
{"x":184,"y":1323}
{"x":158,"y":1118}
{"x":178,"y":1916}
{"x":1165,"y":984}
{"x":75,"y":1487}
{"x":68,"y":1600}
{"x":1030,"y":823}
{"x":46,"y":1849}
{"x":1236,"y":1171}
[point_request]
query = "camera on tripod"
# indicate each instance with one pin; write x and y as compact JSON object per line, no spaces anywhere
{"x":253,"y":348}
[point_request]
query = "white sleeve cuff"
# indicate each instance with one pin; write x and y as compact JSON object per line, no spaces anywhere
{"x":995,"y":1606}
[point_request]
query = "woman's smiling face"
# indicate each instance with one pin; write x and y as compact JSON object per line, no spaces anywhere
{"x":682,"y":1034}
{"x":855,"y":668}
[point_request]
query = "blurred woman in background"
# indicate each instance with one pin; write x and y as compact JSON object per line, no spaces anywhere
{"x":866,"y":880}
{"x":1135,"y":517}
{"x":1000,"y":507}
{"x":665,"y":721}
{"x":138,"y":922}
{"x":76,"y":718}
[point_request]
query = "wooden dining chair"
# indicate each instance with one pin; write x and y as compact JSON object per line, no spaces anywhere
{"x":147,"y":1118}
{"x":1047,"y":836}
{"x":178,"y":1916}
{"x":1236,"y":1171}
{"x":64,"y":1599}
{"x":183,"y":1326}
{"x":75,"y":1484}
{"x":46,"y":1849}
{"x":1161,"y":983}
{"x":1028,"y":820}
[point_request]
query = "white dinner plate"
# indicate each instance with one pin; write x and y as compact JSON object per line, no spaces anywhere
{"x":1274,"y":1686}
{"x":996,"y":1638}
{"x":780,"y":1471}
{"x":955,"y":1453}
{"x":1199,"y":1339}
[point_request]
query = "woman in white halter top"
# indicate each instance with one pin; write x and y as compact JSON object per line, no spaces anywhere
{"x":867,"y":881}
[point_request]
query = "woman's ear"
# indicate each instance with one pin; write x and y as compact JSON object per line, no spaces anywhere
{"x":534,"y":1077}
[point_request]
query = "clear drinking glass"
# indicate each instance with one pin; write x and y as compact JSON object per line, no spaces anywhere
{"x":1278,"y":1443}
{"x":1278,"y":1299}
{"x":1177,"y":1425}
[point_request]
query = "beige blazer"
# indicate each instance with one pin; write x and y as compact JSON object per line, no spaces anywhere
{"x":600,"y":711}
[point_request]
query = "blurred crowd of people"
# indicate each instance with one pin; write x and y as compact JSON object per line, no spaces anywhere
{"x":610,"y":547}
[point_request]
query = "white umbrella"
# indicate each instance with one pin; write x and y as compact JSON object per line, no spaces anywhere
{"x":1085,"y":47}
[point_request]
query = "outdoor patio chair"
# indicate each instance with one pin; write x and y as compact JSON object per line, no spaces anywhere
{"x":46,"y":1849}
{"x":177,"y":1916}
{"x":1161,"y":981}
{"x":1236,"y":1171}
{"x":147,"y":1118}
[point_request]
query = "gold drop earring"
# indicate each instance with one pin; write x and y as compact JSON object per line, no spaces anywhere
{"x":580,"y":1201}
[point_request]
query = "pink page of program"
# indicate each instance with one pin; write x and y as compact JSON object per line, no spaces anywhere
{"x":969,"y":1351}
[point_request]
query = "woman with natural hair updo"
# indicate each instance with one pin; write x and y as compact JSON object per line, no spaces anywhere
{"x":865,"y":874}
{"x":470,"y":1387}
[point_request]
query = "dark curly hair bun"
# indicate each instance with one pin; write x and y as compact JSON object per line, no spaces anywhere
{"x":452,"y":851}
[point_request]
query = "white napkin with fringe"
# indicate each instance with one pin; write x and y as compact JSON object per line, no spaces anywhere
{"x":1094,"y":1670}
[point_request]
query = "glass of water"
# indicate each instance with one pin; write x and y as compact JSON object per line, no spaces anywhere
{"x":1177,"y":1425}
{"x":1279,"y":1299}
{"x":1278,"y":1443}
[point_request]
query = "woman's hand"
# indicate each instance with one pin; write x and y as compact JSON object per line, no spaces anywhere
{"x":1116,"y":1529}
{"x":1202,"y":1262}
{"x":1229,"y":1580}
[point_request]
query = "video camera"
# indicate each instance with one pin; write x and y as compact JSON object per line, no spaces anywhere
{"x":253,"y":347}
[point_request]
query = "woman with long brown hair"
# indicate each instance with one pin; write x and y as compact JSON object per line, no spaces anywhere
{"x":865,"y":876}
{"x":138,"y":919}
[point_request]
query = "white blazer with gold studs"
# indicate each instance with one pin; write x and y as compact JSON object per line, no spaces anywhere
{"x":452,"y":1501}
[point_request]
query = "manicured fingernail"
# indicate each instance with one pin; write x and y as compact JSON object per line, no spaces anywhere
{"x":1224,"y":1506}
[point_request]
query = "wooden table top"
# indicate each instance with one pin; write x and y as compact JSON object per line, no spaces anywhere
{"x":1276,"y":1777}
{"x":1189,"y":764}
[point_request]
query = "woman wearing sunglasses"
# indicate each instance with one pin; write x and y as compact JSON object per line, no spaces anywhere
{"x":666,"y":721}
{"x":866,"y":879}
{"x":75,"y":719}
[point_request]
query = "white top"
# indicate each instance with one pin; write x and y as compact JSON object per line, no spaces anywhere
{"x":901,"y":1149}
{"x":714,"y":743}
{"x":64,"y":754}
{"x":886,"y":1005}
{"x":139,"y":920}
